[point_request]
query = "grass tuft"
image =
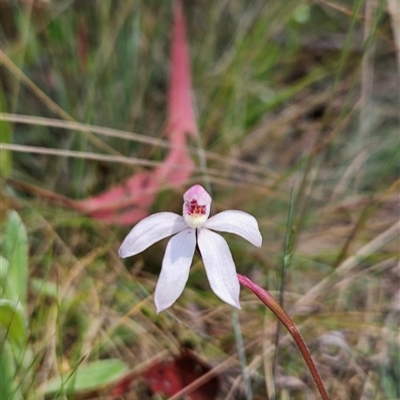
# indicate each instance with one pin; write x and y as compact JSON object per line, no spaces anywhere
{"x":290,"y":97}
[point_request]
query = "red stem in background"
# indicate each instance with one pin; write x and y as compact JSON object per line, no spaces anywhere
{"x":181,"y":119}
{"x":276,"y":308}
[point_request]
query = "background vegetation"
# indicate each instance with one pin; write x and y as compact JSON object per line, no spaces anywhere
{"x":292,"y":97}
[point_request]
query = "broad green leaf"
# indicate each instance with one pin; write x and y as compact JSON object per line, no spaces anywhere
{"x":3,"y":276}
{"x":5,"y":137}
{"x":6,"y":284}
{"x":16,"y":252}
{"x":7,"y":374}
{"x":88,"y":377}
{"x":3,"y":267}
{"x":12,"y":319}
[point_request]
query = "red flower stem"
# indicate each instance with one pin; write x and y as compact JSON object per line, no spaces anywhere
{"x":276,"y":308}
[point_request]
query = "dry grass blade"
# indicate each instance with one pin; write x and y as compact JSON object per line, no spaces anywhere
{"x":7,"y":62}
{"x":80,"y":154}
{"x":346,"y":266}
{"x":131,"y":136}
{"x":288,"y":94}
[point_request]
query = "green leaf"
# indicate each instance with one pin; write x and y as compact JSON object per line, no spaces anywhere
{"x":8,"y":388}
{"x":16,"y":252}
{"x":3,"y":267}
{"x":12,"y":318}
{"x":5,"y":137}
{"x":88,"y":377}
{"x":3,"y":276}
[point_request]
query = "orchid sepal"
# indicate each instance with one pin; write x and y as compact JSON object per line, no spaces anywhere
{"x":237,"y":222}
{"x":150,"y":230}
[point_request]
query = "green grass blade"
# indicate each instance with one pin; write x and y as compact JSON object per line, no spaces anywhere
{"x":5,"y":137}
{"x":241,"y":354}
{"x":286,"y":261}
{"x":16,"y":252}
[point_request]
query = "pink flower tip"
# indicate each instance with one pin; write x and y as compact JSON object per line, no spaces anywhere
{"x":198,"y":194}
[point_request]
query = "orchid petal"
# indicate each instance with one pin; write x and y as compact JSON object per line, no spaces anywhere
{"x":150,"y":230}
{"x":175,"y":268}
{"x":219,"y":265}
{"x":238,"y":222}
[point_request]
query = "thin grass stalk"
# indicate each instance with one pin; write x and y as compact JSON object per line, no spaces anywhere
{"x":286,"y":261}
{"x":241,"y":355}
{"x":275,"y":307}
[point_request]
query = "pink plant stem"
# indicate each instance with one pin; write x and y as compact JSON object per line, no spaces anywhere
{"x":276,"y":308}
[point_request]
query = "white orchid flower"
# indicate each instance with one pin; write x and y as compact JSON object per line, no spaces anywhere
{"x":194,"y":227}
